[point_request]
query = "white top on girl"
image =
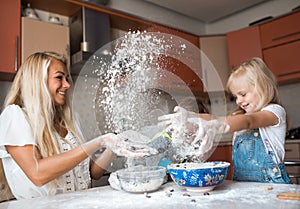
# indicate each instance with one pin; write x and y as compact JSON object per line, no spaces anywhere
{"x":274,"y":136}
{"x":15,"y":131}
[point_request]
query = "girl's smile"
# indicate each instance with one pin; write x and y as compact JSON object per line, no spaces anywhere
{"x":245,"y":94}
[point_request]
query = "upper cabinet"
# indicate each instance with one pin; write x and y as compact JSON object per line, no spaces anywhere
{"x":180,"y":73}
{"x":36,"y":37}
{"x":35,"y":34}
{"x":280,"y":41}
{"x":243,"y":45}
{"x":119,"y":21}
{"x":280,"y":31}
{"x":276,"y":41}
{"x":9,"y":38}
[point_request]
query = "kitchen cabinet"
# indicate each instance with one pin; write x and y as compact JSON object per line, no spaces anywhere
{"x":276,"y":41}
{"x":9,"y":38}
{"x":175,"y":73}
{"x":223,"y":153}
{"x":243,"y":45}
{"x":292,"y":159}
{"x":215,"y":49}
{"x":125,"y":22}
{"x":164,"y":29}
{"x":280,"y":39}
{"x":281,"y":30}
{"x":36,"y":37}
{"x":284,"y":61}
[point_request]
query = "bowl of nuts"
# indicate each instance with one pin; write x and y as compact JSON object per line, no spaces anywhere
{"x":199,"y":176}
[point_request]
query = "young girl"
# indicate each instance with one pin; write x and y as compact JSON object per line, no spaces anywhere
{"x":40,"y":145}
{"x":258,"y":146}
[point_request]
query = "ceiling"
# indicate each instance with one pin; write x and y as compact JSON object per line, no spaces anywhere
{"x":206,"y":10}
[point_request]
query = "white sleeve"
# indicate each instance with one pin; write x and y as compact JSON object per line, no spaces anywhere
{"x":14,"y":129}
{"x":276,"y":134}
{"x":279,"y":111}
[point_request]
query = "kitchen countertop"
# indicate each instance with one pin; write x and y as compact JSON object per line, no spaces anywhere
{"x":230,"y":194}
{"x":292,"y":141}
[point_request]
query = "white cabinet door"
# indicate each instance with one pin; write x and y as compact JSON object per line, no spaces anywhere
{"x":38,"y":36}
{"x":215,"y":49}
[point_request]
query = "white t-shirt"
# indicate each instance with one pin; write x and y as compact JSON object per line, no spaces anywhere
{"x":275,"y":135}
{"x":15,"y":130}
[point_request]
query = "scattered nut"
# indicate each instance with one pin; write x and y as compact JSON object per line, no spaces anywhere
{"x":186,"y":194}
{"x":147,"y":195}
{"x":132,"y":148}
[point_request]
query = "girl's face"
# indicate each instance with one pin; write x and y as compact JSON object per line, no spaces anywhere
{"x":245,"y":95}
{"x":58,"y":81}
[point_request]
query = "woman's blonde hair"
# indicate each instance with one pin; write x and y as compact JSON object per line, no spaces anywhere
{"x":29,"y":90}
{"x":259,"y":76}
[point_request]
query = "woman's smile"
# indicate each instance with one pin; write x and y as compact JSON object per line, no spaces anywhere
{"x":58,"y":82}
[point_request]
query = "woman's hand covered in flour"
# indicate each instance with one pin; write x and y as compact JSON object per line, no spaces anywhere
{"x":120,"y":145}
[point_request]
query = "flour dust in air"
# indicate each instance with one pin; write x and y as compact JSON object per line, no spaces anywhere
{"x":127,"y":84}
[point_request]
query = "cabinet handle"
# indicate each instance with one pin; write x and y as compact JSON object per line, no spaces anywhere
{"x":289,"y":73}
{"x":17,"y":52}
{"x":285,"y":36}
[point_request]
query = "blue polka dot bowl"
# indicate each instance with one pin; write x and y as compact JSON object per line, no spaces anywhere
{"x":199,"y":176}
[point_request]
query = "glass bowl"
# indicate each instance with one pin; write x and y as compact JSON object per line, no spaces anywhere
{"x":139,"y":179}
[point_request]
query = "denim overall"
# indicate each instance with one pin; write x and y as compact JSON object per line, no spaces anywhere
{"x":252,"y":163}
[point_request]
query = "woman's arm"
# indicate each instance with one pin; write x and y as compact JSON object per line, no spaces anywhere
{"x":41,"y":171}
{"x":99,"y":164}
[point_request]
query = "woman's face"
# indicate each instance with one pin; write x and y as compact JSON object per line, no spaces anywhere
{"x":245,"y":94}
{"x":58,"y":81}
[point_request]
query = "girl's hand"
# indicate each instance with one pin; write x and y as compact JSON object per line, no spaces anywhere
{"x":180,"y":115}
{"x":207,"y":130}
{"x":178,"y":124}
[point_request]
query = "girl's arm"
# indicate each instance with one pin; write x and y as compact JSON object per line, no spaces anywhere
{"x":252,"y":120}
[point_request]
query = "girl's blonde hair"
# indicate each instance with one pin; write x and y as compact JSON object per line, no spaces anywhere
{"x":29,"y":90}
{"x":259,"y":76}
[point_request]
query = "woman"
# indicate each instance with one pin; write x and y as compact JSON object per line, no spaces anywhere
{"x":41,"y":146}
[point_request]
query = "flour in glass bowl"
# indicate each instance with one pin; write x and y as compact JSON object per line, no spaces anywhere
{"x":139,"y":179}
{"x":149,"y":185}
